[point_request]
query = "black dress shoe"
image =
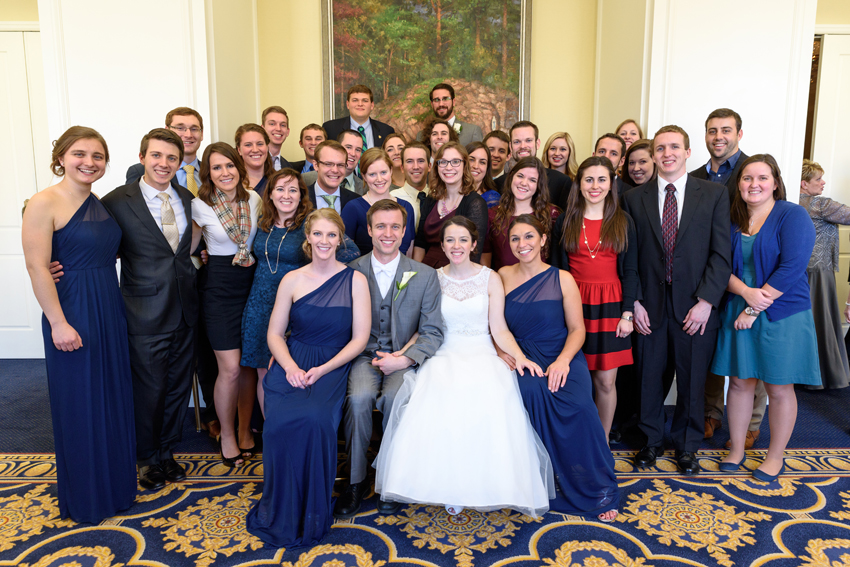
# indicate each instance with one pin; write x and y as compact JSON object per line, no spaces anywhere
{"x":348,"y":504}
{"x":687,"y":462}
{"x":388,"y":507}
{"x":614,"y":436}
{"x":151,"y":477}
{"x":173,"y":471}
{"x":646,"y":457}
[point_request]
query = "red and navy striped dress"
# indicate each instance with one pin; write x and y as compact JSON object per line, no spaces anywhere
{"x":601,"y":298}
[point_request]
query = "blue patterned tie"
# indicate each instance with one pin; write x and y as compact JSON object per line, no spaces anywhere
{"x":669,"y":229}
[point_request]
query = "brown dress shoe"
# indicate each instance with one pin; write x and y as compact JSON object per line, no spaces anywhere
{"x":213,"y":429}
{"x":712,"y":425}
{"x":749,"y":440}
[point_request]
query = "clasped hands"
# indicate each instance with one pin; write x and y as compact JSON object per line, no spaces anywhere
{"x":556,"y":372}
{"x":695,"y":320}
{"x":759,"y":300}
{"x":300,"y":379}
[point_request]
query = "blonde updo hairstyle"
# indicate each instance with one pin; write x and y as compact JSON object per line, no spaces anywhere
{"x":327,"y":214}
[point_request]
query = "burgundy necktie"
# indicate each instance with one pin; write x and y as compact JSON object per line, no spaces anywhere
{"x":669,"y":228}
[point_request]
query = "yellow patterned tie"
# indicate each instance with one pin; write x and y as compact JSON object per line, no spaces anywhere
{"x":191,"y":184}
{"x":169,"y":223}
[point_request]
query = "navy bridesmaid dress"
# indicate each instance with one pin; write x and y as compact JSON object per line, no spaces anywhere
{"x":300,"y":433}
{"x":91,"y":390}
{"x":567,"y":421}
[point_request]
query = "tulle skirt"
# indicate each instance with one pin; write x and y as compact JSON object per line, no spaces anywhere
{"x":459,"y":434}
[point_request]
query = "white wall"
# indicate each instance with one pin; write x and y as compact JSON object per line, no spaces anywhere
{"x":757,"y":65}
{"x":121,"y":71}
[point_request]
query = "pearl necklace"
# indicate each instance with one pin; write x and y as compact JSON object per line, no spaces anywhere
{"x":593,"y":253}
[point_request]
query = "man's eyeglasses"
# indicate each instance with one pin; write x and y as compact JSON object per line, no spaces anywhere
{"x":182,"y":129}
{"x":437,"y":99}
{"x":331,"y":165}
{"x":446,"y":162}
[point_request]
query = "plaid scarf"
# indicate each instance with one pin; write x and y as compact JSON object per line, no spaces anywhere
{"x":237,"y":227}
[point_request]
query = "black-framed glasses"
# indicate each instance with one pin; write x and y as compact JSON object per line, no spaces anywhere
{"x":437,"y":99}
{"x":446,"y":162}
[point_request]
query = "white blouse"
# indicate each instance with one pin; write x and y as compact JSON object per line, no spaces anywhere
{"x":218,"y":243}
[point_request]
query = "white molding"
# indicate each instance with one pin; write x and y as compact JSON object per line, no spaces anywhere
{"x":210,"y":51}
{"x":256,"y":33}
{"x":841,"y":29}
{"x":55,"y":68}
{"x":797,"y":94}
{"x":597,"y":72}
{"x":658,"y":89}
{"x":199,"y":72}
{"x":19,"y":27}
{"x":646,"y":66}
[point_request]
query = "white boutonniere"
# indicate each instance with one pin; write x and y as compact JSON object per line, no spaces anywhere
{"x":458,"y":127}
{"x":405,"y":278}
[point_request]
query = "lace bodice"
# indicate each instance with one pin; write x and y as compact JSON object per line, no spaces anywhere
{"x":465,"y":303}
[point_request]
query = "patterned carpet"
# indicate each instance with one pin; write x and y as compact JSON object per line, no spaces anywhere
{"x":665,"y":519}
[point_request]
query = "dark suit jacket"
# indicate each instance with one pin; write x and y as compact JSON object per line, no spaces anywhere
{"x":334,"y":128}
{"x":137,"y":171}
{"x":702,"y":261}
{"x":345,"y":196}
{"x":298,"y":165}
{"x":732,"y":183}
{"x":159,"y":286}
{"x":558,"y":183}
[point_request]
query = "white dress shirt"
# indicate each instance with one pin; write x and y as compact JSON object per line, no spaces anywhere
{"x":680,"y":196}
{"x":276,"y":162}
{"x":385,"y":273}
{"x":155,"y":205}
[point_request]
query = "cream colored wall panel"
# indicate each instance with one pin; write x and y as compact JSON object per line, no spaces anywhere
{"x":124,"y":78}
{"x":700,"y":64}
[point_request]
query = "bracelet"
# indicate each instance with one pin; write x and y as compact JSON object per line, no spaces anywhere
{"x":847,"y":304}
{"x":631,"y":318}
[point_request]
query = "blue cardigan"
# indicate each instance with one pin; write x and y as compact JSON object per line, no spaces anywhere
{"x":781,"y":252}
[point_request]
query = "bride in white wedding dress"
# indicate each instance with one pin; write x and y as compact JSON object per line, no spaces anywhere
{"x":458,"y":434}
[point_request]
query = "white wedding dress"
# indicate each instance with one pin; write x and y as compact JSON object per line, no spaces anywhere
{"x":458,"y":433}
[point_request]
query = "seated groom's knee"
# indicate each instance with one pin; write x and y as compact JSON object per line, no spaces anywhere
{"x":364,"y":382}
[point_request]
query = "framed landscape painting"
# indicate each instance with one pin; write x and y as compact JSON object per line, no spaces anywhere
{"x":402,"y":48}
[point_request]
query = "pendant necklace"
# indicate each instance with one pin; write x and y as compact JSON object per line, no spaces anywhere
{"x":593,"y":253}
{"x":277,"y":261}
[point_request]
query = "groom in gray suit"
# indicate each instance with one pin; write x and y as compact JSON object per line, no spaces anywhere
{"x":405,"y":301}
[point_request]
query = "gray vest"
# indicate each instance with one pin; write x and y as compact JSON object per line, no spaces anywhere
{"x":381,"y":336}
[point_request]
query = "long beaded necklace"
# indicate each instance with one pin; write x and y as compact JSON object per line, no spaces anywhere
{"x":277,"y":261}
{"x":593,"y":253}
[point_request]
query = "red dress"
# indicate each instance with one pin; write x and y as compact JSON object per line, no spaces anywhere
{"x":601,"y":298}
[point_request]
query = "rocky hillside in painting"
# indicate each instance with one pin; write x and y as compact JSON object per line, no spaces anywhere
{"x":488,"y":107}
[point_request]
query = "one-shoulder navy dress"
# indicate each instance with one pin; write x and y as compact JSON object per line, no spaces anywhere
{"x":91,"y":389}
{"x":300,"y":433}
{"x":567,"y":421}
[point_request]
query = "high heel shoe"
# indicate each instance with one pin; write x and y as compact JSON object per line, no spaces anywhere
{"x":732,"y":467}
{"x":231,"y":462}
{"x":758,"y":474}
{"x":248,"y":453}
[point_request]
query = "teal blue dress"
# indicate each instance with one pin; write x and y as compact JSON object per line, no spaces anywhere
{"x":776,"y":352}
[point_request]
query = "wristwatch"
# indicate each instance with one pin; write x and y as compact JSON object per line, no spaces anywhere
{"x":629,"y":318}
{"x":751,"y":312}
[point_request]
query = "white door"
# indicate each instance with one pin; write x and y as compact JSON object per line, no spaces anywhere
{"x":831,"y":150}
{"x":20,"y":314}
